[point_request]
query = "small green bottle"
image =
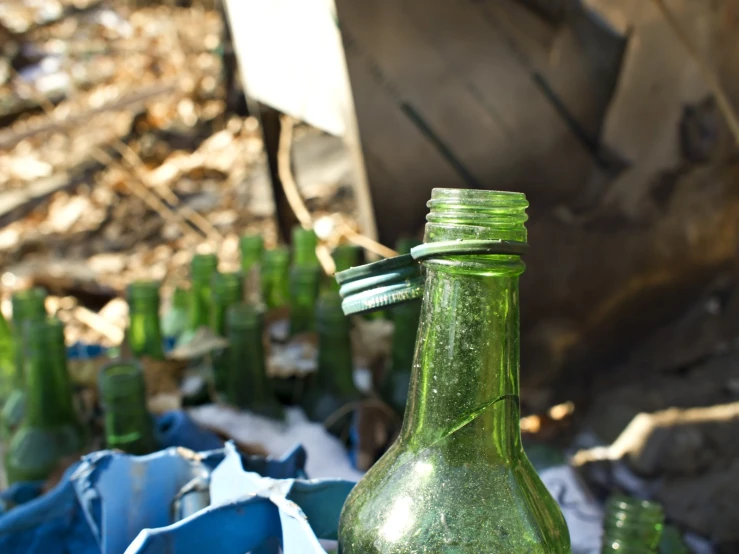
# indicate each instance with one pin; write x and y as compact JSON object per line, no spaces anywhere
{"x":28,"y":305}
{"x":248,"y":386}
{"x":228,"y":289}
{"x":332,"y":387}
{"x":252,"y":251}
{"x":128,"y":424}
{"x":457,"y":478}
{"x":202,"y":269}
{"x":144,"y":332}
{"x":397,"y":377}
{"x":632,"y":526}
{"x":50,"y":430}
{"x":275,"y":270}
{"x":7,"y":360}
{"x":175,"y":321}
{"x":305,"y":277}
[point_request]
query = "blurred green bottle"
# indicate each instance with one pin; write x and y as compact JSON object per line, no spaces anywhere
{"x":345,"y":256}
{"x":252,"y":252}
{"x":144,"y":332}
{"x":228,"y":289}
{"x":175,"y":320}
{"x":248,"y":386}
{"x":332,"y":388}
{"x":28,"y":305}
{"x":304,"y":280}
{"x":275,"y":271}
{"x":128,"y":424}
{"x":632,"y":526}
{"x":50,"y":430}
{"x":202,"y":269}
{"x":397,"y":376}
{"x":7,"y":360}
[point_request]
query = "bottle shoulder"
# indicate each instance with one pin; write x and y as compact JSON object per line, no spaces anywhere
{"x":432,"y":502}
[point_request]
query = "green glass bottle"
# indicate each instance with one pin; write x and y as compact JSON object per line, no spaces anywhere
{"x":332,"y":387}
{"x":346,"y":256}
{"x":202,"y":269}
{"x":7,"y":360}
{"x":305,"y":277}
{"x":632,"y":526}
{"x":248,"y":386}
{"x":175,"y":321}
{"x":397,"y":377}
{"x":128,"y":424}
{"x":144,"y":332}
{"x":457,"y":479}
{"x":228,"y":289}
{"x":50,"y":430}
{"x":252,"y":251}
{"x":275,"y":270}
{"x":28,"y":305}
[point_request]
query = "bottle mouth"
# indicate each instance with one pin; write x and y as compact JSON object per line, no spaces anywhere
{"x":29,"y":303}
{"x":277,"y":257}
{"x":304,"y":242}
{"x":203,"y":266}
{"x":121,"y":379}
{"x":252,"y":244}
{"x":463,"y":214}
{"x":43,"y":335}
{"x":147,"y":291}
{"x":624,"y":507}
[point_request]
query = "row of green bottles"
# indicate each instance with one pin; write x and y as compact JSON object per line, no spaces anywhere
{"x":457,"y":479}
{"x":50,"y":429}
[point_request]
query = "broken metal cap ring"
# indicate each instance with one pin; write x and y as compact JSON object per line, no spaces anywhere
{"x":380,"y":284}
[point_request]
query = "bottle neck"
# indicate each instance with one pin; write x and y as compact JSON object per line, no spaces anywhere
{"x":48,"y":391}
{"x":247,"y":382}
{"x":128,"y":425}
{"x":465,"y":374}
{"x":335,"y":363}
{"x":144,"y":331}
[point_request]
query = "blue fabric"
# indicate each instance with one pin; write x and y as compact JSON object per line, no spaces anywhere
{"x":50,"y":524}
{"x":84,"y":351}
{"x":107,"y":500}
{"x":19,"y":493}
{"x":177,"y":429}
{"x":282,"y":514}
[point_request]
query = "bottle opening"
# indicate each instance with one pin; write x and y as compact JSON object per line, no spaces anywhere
{"x":203,"y":265}
{"x":463,"y":214}
{"x":121,"y":379}
{"x":29,"y":303}
{"x":143,"y":290}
